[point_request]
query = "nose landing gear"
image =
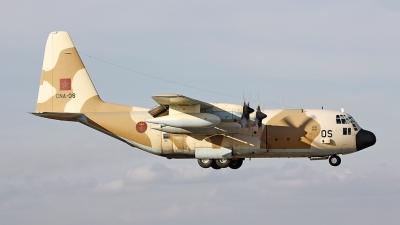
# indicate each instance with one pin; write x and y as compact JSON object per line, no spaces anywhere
{"x":334,"y":160}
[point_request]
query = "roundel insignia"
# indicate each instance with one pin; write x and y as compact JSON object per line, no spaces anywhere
{"x":141,"y":127}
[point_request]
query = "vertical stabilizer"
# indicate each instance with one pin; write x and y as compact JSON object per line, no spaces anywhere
{"x":65,"y":85}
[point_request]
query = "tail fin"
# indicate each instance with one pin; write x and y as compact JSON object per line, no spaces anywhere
{"x":65,"y":85}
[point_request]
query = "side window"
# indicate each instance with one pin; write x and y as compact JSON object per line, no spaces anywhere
{"x":346,"y":131}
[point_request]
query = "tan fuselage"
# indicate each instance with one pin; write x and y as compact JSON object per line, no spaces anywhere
{"x":320,"y":136}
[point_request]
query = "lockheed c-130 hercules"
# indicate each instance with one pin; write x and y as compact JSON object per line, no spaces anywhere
{"x":217,"y":135}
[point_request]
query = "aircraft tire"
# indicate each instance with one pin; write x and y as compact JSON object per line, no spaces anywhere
{"x":215,"y":166}
{"x":205,"y":163}
{"x":222,"y":163}
{"x":334,"y":160}
{"x":236,"y":163}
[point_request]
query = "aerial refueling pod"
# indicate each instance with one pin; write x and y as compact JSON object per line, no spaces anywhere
{"x":187,"y":120}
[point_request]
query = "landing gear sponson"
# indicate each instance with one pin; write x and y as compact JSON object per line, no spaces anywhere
{"x":217,"y":164}
{"x":220,"y":163}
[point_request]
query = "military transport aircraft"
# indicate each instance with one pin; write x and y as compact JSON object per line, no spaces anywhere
{"x":217,"y":135}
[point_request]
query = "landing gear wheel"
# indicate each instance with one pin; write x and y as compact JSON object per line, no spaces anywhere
{"x":222,"y":163}
{"x":334,"y":160}
{"x":236,"y":163}
{"x":205,"y":163}
{"x":215,"y":166}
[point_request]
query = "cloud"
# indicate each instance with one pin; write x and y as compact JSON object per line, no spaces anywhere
{"x":271,"y":190}
{"x":290,"y":178}
{"x":136,"y":179}
{"x":180,"y":192}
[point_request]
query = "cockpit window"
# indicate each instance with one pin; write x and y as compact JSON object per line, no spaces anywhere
{"x":338,"y":119}
{"x":343,"y":119}
{"x":353,"y":122}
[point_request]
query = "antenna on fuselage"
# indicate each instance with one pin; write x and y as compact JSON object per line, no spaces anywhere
{"x":342,"y":110}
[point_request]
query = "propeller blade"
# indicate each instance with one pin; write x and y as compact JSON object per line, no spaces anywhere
{"x":260,"y":116}
{"x":247,"y":110}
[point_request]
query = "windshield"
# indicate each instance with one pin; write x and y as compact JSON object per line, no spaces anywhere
{"x":354,"y":123}
{"x":344,"y":119}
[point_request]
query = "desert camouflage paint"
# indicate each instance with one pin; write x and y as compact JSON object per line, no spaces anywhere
{"x":66,"y":92}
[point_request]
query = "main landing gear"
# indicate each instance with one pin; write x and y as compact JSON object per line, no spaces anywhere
{"x":220,"y":163}
{"x":334,"y":160}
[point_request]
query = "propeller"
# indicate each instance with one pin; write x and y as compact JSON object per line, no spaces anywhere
{"x":247,"y":110}
{"x":259,"y":115}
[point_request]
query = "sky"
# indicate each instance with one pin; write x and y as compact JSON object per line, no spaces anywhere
{"x":308,"y":54}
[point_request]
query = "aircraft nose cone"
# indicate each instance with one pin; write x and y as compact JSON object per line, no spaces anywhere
{"x":364,"y":139}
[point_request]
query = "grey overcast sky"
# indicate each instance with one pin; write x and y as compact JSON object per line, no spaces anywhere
{"x":304,"y":54}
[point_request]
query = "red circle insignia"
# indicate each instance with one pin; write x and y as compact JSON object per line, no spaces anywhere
{"x":141,"y":127}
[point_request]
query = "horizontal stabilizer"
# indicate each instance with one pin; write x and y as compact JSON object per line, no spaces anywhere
{"x":58,"y":115}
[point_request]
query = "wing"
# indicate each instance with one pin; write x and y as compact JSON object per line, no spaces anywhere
{"x":176,"y":103}
{"x":179,"y":114}
{"x":179,"y":100}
